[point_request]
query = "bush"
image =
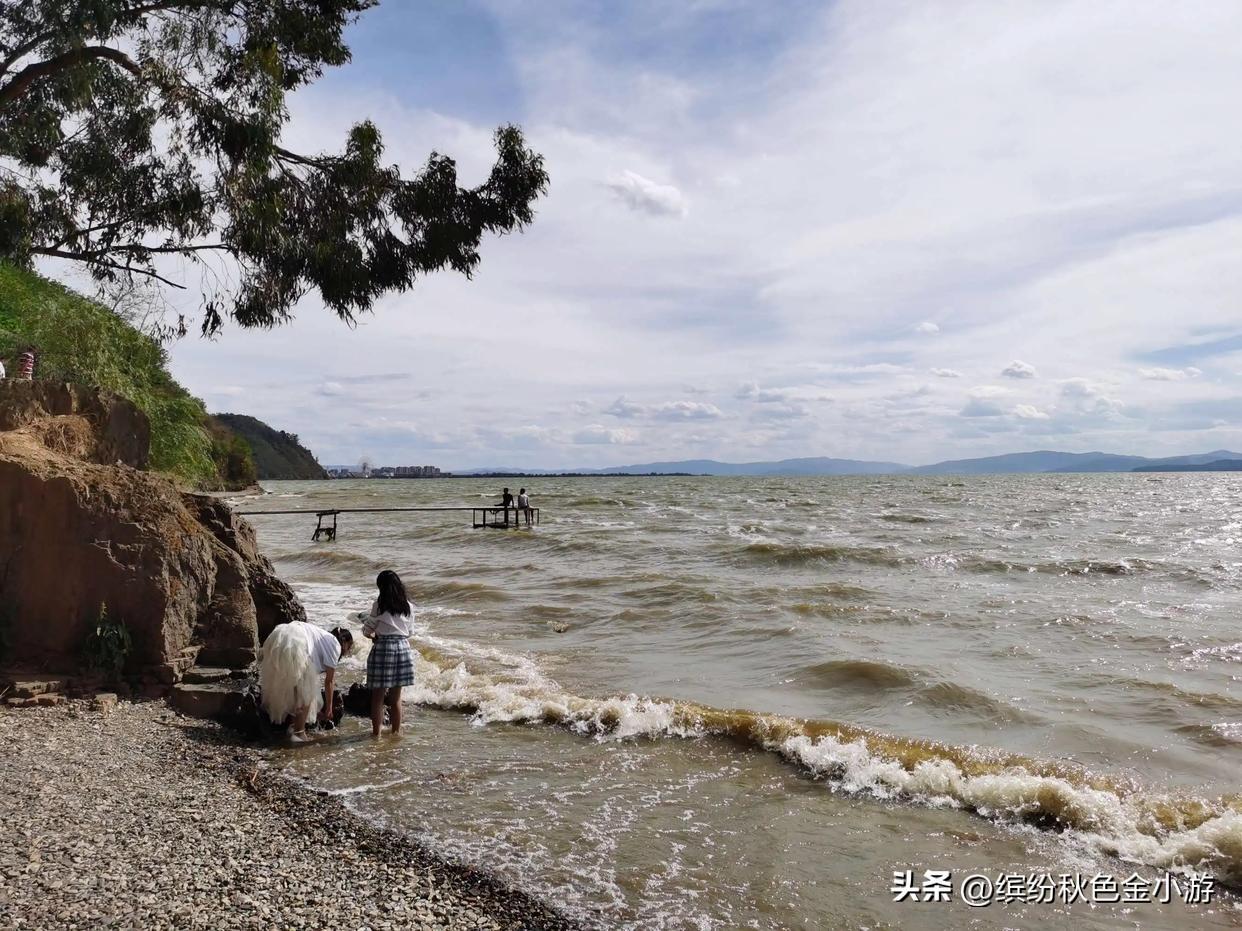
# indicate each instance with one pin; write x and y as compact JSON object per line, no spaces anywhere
{"x":107,"y":646}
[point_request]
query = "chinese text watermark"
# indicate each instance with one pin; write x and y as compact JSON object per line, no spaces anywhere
{"x":982,"y":889}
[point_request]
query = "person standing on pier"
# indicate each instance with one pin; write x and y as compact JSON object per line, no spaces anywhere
{"x":390,"y":664}
{"x":523,"y":504}
{"x":506,"y":502}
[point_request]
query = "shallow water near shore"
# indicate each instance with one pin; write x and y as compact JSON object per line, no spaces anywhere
{"x":727,"y":703}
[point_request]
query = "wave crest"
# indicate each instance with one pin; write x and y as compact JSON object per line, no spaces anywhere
{"x":1116,"y":816}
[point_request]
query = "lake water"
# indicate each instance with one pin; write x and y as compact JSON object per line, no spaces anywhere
{"x":691,"y":703}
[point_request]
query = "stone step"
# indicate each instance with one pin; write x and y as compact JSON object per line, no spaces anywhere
{"x":33,"y":686}
{"x":42,"y":700}
{"x":204,"y":675}
{"x":209,"y":699}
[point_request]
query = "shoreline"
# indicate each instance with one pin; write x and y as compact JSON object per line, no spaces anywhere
{"x":133,"y":815}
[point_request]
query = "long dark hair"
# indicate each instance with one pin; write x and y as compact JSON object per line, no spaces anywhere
{"x":344,"y":638}
{"x":392,"y":596}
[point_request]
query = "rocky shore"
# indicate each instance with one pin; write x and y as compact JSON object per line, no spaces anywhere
{"x":130,"y":815}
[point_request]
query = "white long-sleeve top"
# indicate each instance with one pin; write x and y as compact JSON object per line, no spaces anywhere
{"x":380,"y":624}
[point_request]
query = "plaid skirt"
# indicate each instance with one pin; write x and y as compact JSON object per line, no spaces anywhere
{"x":390,"y":662}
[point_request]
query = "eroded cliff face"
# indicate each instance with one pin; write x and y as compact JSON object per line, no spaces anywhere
{"x":81,"y":524}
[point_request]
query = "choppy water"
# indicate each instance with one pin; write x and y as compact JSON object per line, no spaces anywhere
{"x":730,"y":703}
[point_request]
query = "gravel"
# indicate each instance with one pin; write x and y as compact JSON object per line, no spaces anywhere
{"x":129,"y":815}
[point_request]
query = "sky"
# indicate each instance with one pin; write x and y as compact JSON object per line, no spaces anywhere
{"x":876,"y":230}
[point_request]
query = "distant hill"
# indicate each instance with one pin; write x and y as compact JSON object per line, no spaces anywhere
{"x":1041,"y":460}
{"x":813,"y":466}
{"x":1047,"y":460}
{"x":1038,"y":461}
{"x":1109,"y":463}
{"x":1216,"y":465}
{"x":277,"y":455}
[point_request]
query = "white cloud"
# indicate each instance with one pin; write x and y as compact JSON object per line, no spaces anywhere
{"x":665,"y":410}
{"x":1078,"y":388}
{"x":623,"y":408}
{"x":806,"y":265}
{"x":781,"y":412}
{"x":685,"y":410}
{"x":1019,"y":369}
{"x":983,"y":401}
{"x":1029,"y":412}
{"x":988,"y":391}
{"x":1087,"y":398}
{"x":979,"y":407}
{"x":752,"y":392}
{"x":599,"y":434}
{"x":645,"y":195}
{"x":1161,"y":374}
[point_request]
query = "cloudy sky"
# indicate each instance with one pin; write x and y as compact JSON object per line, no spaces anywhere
{"x":883,"y":230}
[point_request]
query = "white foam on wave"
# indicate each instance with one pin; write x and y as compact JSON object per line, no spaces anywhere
{"x":497,"y":687}
{"x":510,"y":688}
{"x":1105,"y":821}
{"x":368,"y":787}
{"x":501,"y":687}
{"x":1230,"y":653}
{"x":1230,"y":730}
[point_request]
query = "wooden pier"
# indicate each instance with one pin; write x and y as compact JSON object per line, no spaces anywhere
{"x":491,"y":516}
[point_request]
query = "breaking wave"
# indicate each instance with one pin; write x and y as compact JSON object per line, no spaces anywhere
{"x":785,"y":554}
{"x":328,"y":559}
{"x":1116,"y":816}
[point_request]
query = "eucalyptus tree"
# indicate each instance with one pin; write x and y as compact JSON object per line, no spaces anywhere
{"x":136,"y":129}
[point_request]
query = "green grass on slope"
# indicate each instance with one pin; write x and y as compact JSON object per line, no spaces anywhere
{"x":81,"y":341}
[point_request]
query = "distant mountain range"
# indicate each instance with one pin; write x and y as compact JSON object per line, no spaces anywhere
{"x":1046,"y":460}
{"x":1043,"y":460}
{"x":814,"y":466}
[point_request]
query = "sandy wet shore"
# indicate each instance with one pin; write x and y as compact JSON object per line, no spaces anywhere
{"x":137,"y":817}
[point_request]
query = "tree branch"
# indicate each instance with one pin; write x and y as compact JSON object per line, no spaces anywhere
{"x":24,"y":49}
{"x":283,"y":154}
{"x":27,"y":76}
{"x":127,"y":17}
{"x":128,"y":269}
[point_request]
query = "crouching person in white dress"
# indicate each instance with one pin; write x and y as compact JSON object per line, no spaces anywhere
{"x":295,"y":655}
{"x":390,"y":664}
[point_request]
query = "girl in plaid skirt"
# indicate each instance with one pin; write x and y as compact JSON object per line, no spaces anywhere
{"x":390,"y":664}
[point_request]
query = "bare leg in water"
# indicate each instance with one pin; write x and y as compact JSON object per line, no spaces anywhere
{"x":394,"y":710}
{"x":377,"y":711}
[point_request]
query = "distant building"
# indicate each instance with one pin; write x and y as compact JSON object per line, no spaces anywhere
{"x":423,"y":471}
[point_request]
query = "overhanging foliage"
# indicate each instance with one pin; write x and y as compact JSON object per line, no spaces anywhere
{"x":130,"y":130}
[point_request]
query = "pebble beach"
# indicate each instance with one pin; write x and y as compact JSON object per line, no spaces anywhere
{"x":129,"y":815}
